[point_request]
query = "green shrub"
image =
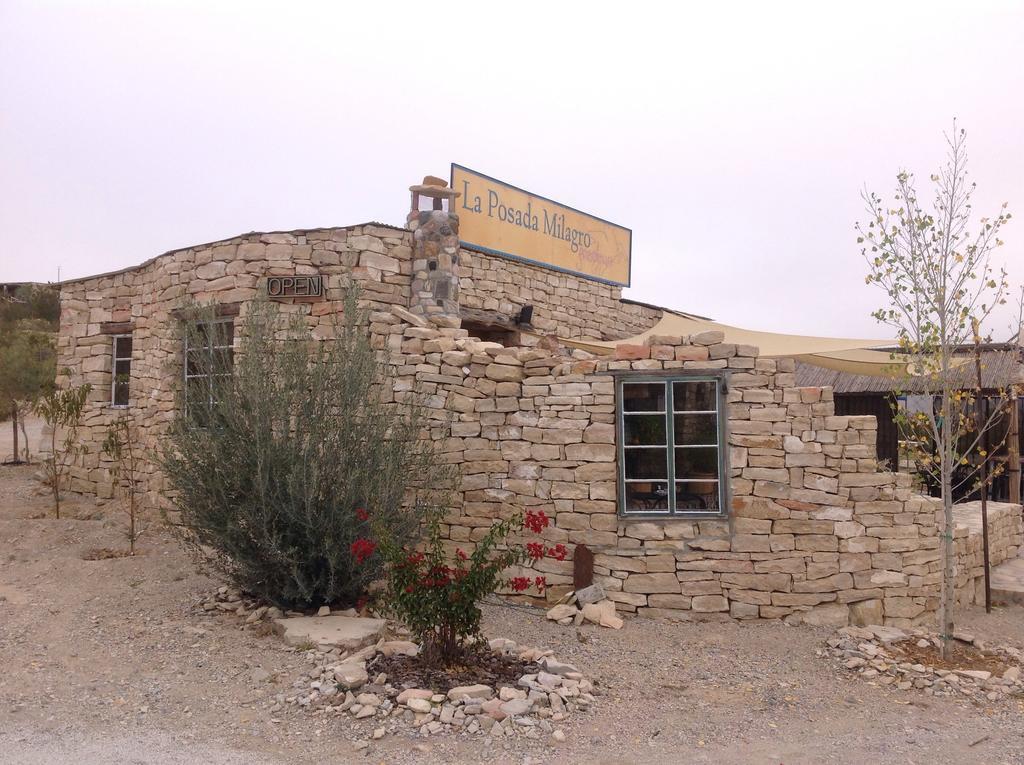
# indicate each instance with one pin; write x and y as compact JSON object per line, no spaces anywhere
{"x":269,"y":464}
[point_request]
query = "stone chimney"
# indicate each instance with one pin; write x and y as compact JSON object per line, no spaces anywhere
{"x":435,"y":258}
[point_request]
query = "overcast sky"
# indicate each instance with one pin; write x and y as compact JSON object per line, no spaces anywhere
{"x":733,"y":139}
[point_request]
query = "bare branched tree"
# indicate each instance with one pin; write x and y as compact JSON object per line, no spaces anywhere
{"x":936,"y":267}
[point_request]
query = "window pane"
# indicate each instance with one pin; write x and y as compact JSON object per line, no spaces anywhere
{"x":199,"y":334}
{"x":223,"y":360}
{"x":197,"y":392}
{"x":699,"y":429}
{"x":644,"y":429}
{"x":223,"y":333}
{"x":643,"y":397}
{"x":696,"y":463}
{"x":219,"y":384}
{"x":696,"y":396}
{"x":646,"y":497}
{"x":122,"y":347}
{"x":197,"y":362}
{"x":646,"y":463}
{"x":696,"y":495}
{"x":122,"y":369}
{"x":120,"y":393}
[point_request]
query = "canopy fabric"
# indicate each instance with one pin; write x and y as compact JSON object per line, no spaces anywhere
{"x":843,"y":354}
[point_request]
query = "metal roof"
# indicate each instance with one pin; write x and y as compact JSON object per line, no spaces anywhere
{"x":1000,"y":367}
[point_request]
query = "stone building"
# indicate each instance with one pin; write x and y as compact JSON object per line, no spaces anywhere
{"x":703,"y":480}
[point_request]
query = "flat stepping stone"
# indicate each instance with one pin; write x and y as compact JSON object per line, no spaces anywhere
{"x":1008,"y":580}
{"x":887,"y":634}
{"x":349,"y":633}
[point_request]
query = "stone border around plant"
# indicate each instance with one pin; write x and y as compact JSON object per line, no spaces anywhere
{"x":867,"y":651}
{"x":228,"y":600}
{"x":339,"y":684}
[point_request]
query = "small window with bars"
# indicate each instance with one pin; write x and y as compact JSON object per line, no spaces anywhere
{"x":671,"y":445}
{"x":121,"y":370}
{"x":209,"y":361}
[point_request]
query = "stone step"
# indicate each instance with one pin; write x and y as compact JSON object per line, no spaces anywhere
{"x":1008,"y":581}
{"x":349,"y":633}
{"x":1000,"y":595}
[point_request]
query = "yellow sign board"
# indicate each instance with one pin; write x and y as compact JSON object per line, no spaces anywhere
{"x":505,"y":220}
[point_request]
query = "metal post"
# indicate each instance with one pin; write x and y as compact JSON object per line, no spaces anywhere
{"x":980,"y":419}
{"x":1013,"y":449}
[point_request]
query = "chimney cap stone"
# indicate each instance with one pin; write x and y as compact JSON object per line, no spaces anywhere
{"x":435,"y":188}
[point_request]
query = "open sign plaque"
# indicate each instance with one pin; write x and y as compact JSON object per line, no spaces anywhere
{"x":298,"y":287}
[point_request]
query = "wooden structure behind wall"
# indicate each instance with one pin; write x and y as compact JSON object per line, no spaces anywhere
{"x":881,"y":407}
{"x":1002,"y":367}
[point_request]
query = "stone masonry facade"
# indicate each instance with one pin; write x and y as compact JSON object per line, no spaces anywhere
{"x":814,"y":531}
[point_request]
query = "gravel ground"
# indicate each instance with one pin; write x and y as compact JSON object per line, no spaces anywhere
{"x":110,"y":661}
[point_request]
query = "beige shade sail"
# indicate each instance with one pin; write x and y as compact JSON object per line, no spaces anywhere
{"x":844,"y":354}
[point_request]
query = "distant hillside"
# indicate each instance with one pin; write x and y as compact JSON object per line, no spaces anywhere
{"x":21,"y":303}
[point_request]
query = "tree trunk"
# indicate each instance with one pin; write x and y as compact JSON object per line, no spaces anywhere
{"x":54,"y":472}
{"x":948,"y":575}
{"x":14,"y":427}
{"x":24,"y":437}
{"x":948,"y":552}
{"x":131,"y":520}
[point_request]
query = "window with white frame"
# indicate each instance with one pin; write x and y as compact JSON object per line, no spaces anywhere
{"x":671,"y":446}
{"x":121,"y":370}
{"x":209,"y":361}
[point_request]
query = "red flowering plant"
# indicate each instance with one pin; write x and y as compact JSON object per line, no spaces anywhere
{"x":437,"y":595}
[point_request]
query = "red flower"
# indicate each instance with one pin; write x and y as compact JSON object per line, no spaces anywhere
{"x":438,"y":576}
{"x":362,"y":514}
{"x":536,"y":521}
{"x":412,"y":559}
{"x":362,"y":549}
{"x":519,"y":583}
{"x":540,"y":583}
{"x":535,"y":550}
{"x":462,"y":555}
{"x":558,"y":552}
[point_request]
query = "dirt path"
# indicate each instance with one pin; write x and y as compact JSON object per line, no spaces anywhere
{"x":110,"y":661}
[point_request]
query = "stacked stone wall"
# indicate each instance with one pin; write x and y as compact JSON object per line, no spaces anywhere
{"x":379,"y":258}
{"x":564,"y":304}
{"x":814,"y":531}
{"x":1005,"y":539}
{"x":227,"y":273}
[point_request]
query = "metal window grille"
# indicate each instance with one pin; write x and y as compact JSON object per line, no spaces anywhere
{"x":209,"y":361}
{"x":672,"y":446}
